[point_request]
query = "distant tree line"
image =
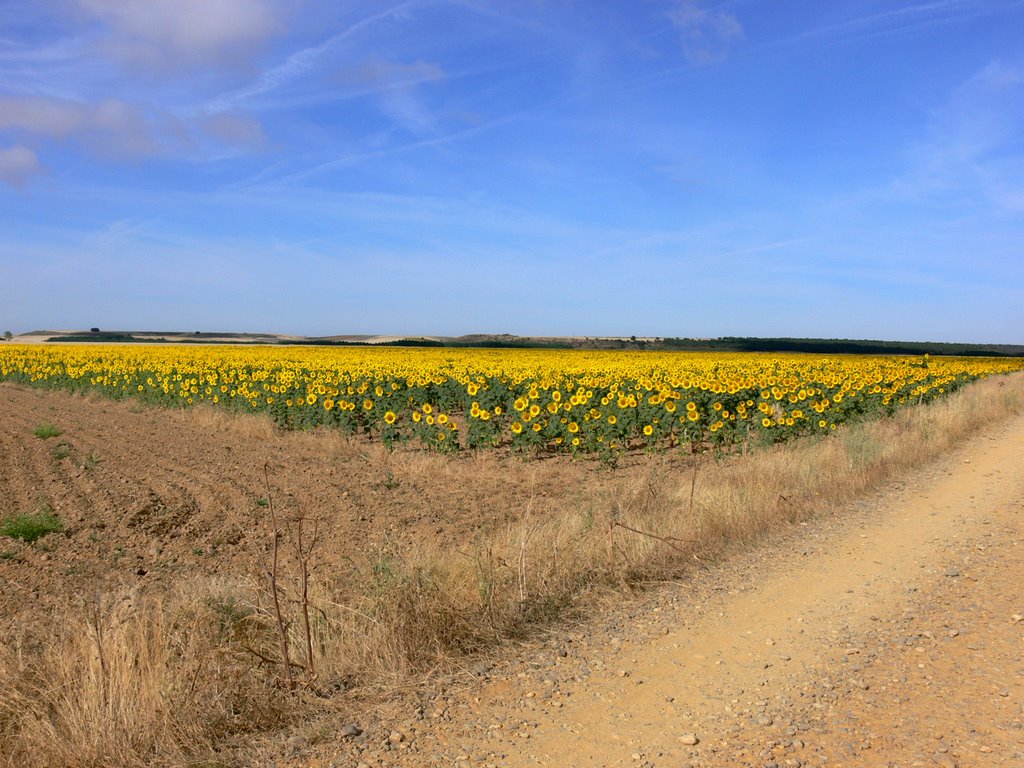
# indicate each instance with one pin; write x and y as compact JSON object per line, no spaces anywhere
{"x":507,"y":341}
{"x":845,"y":346}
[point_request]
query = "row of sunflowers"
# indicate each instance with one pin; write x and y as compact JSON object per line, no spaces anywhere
{"x":577,"y":401}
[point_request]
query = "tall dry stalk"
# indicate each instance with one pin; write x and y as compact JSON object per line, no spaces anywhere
{"x":303,"y":553}
{"x":282,"y":627}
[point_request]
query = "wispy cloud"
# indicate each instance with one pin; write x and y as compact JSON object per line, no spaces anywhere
{"x":707,"y":34}
{"x":302,"y":61}
{"x":900,"y":20}
{"x":18,"y":165}
{"x":972,"y":150}
{"x":376,"y":148}
{"x":395,"y":86}
{"x":237,"y":130}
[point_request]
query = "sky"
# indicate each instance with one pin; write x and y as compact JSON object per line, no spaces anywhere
{"x":691,"y":168}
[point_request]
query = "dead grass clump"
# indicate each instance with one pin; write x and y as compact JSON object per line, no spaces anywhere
{"x":253,"y":426}
{"x":129,"y":680}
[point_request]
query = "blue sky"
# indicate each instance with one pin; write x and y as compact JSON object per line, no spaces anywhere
{"x":652,"y":167}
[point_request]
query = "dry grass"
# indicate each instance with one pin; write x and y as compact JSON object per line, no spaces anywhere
{"x":129,"y":680}
{"x":137,"y":679}
{"x":251,"y":426}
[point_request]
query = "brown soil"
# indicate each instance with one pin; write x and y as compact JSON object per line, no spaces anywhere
{"x":889,"y":635}
{"x":151,"y":495}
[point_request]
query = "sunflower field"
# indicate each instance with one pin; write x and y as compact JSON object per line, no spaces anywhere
{"x":556,"y":400}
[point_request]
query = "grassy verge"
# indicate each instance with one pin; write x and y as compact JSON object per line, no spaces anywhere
{"x":161,"y":679}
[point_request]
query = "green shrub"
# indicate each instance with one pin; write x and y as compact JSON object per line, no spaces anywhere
{"x":45,"y":430}
{"x":28,"y":528}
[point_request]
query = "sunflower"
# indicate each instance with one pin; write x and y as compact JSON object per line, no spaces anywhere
{"x":389,"y":417}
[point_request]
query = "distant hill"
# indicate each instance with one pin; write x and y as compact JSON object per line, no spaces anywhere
{"x":510,"y":341}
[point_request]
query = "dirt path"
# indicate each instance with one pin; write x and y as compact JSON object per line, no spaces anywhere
{"x":892,"y":636}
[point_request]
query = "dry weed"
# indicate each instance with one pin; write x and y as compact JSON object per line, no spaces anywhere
{"x":131,"y":680}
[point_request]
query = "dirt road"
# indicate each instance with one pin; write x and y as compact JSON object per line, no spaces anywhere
{"x":890,"y":636}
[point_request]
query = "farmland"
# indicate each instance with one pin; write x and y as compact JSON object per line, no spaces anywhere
{"x":579,"y":402}
{"x":140,"y":525}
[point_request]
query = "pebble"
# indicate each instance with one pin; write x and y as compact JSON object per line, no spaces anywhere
{"x":689,"y":739}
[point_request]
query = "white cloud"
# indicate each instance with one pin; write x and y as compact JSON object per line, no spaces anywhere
{"x":706,"y":34}
{"x":236,"y":130}
{"x":111,"y":127}
{"x":18,"y":164}
{"x":49,"y":117}
{"x":175,"y":34}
